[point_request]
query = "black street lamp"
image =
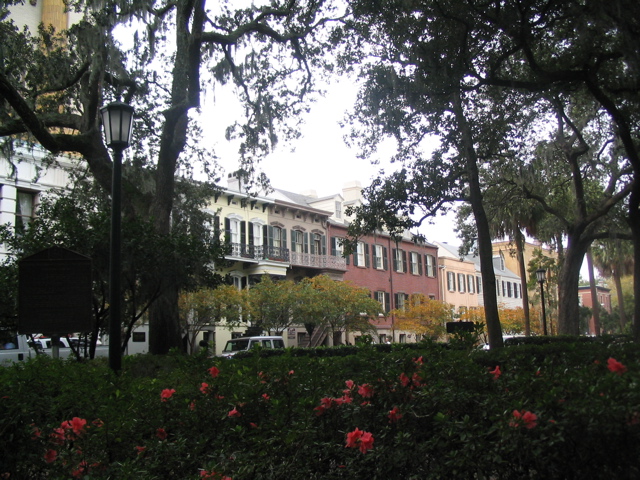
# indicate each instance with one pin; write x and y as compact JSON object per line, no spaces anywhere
{"x":117,"y":120}
{"x":541,"y":275}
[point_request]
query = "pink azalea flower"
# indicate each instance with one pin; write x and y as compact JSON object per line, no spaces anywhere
{"x":234,"y":413}
{"x":50,"y":456}
{"x":615,"y":366}
{"x":349,"y":384}
{"x":204,"y":388}
{"x":404,"y":380}
{"x":496,"y":372}
{"x":161,"y":433}
{"x":394,"y":415}
{"x":360,"y":439}
{"x":77,"y":425}
{"x":166,"y":394}
{"x":214,"y":371}
{"x":523,"y":419}
{"x":365,"y":390}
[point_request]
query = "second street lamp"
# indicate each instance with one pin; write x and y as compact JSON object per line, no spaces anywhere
{"x":541,"y":275}
{"x":117,"y":120}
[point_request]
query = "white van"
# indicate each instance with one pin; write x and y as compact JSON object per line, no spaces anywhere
{"x":247,"y":343}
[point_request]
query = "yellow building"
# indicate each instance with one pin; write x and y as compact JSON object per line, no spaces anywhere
{"x":459,"y":279}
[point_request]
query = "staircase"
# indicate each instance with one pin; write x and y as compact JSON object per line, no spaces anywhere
{"x":319,"y":334}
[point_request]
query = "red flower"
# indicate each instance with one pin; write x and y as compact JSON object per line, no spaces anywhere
{"x":50,"y":456}
{"x":360,"y":439}
{"x":58,"y":436}
{"x":141,"y":450}
{"x":166,"y":394}
{"x":365,"y":390}
{"x":418,"y":361}
{"x":523,"y":419}
{"x":496,"y":372}
{"x":161,"y":433}
{"x":404,"y":380}
{"x":615,"y":366}
{"x":235,"y":413}
{"x":214,"y":371}
{"x":266,"y":397}
{"x":212,"y":474}
{"x":349,"y":384}
{"x":204,"y":388}
{"x":77,"y":425}
{"x":81,"y":470}
{"x":394,"y":415}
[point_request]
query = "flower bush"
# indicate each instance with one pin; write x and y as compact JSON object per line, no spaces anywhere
{"x":560,"y":410}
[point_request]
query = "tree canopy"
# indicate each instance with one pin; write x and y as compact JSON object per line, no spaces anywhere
{"x":53,"y":83}
{"x":487,"y":79}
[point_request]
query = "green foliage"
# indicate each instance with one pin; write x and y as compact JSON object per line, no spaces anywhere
{"x":433,"y":413}
{"x":338,"y":305}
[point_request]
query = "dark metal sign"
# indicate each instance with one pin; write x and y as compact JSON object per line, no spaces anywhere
{"x":54,"y":293}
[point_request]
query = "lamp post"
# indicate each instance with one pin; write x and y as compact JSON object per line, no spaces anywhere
{"x":117,"y":120}
{"x":541,"y":275}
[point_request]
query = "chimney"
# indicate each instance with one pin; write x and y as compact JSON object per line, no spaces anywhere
{"x":236,"y":181}
{"x":352,"y":191}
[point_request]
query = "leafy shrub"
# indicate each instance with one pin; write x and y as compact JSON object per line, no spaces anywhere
{"x":560,"y":410}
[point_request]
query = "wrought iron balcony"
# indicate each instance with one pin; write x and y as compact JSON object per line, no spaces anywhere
{"x":318,"y":261}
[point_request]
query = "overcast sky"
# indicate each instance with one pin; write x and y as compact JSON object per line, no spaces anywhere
{"x":321,"y":161}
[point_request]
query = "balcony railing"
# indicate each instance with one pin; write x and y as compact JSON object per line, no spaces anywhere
{"x":278,"y":254}
{"x":318,"y":261}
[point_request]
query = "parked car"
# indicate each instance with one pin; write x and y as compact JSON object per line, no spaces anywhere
{"x":247,"y":343}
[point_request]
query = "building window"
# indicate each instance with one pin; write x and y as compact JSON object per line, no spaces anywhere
{"x":509,"y":292}
{"x":317,"y":244}
{"x":498,"y":288}
{"x":479,"y":284}
{"x":338,"y":209}
{"x":400,"y":300}
{"x":277,"y":237}
{"x":399,"y":260}
{"x":138,"y":337}
{"x":461,"y":282}
{"x":337,"y":246}
{"x":380,"y":257}
{"x":402,"y":338}
{"x":504,"y":289}
{"x":451,"y":281}
{"x":470,"y":283}
{"x":383,"y":298}
{"x":430,"y":265}
{"x":256,"y":234}
{"x":297,"y":241}
{"x":25,"y":202}
{"x":416,"y":264}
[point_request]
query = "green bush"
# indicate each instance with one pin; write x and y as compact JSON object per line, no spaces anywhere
{"x":565,"y":409}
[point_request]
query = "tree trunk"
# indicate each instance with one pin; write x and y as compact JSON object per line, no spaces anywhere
{"x":485,"y":250}
{"x":519,"y":239}
{"x":622,"y":314}
{"x":569,"y":276}
{"x":164,"y":329}
{"x":634,"y":222}
{"x":594,"y":295}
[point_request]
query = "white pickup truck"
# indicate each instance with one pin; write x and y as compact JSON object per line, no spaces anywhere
{"x":17,"y":348}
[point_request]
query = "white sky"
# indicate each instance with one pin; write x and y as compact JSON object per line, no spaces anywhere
{"x":321,"y":161}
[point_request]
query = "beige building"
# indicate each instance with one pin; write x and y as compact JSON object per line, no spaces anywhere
{"x":459,"y":279}
{"x":507,"y":251}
